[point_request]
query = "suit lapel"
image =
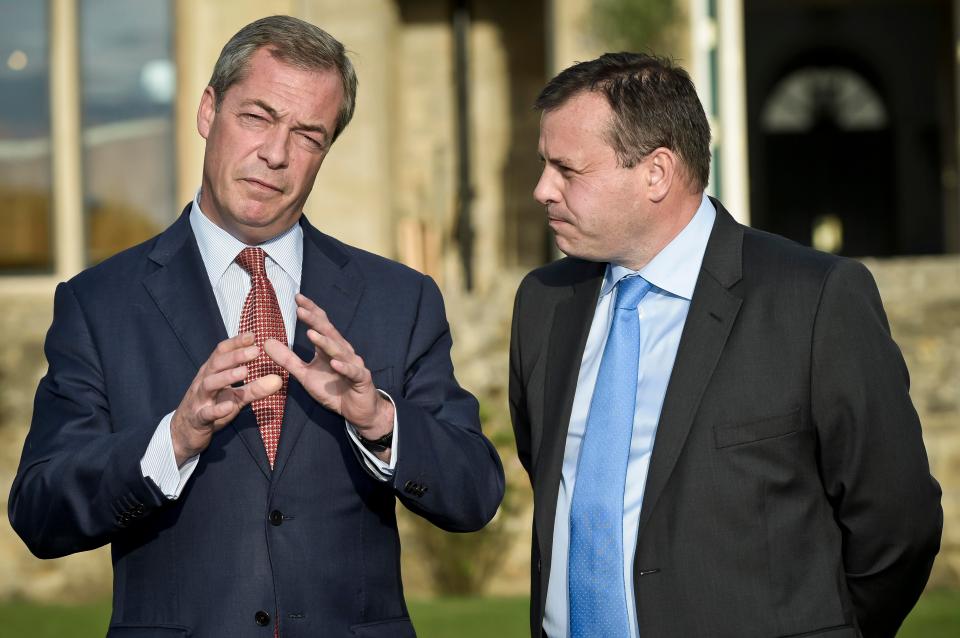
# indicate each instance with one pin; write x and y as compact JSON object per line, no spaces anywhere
{"x":181,"y":289}
{"x":335,"y":284}
{"x":568,"y":336}
{"x":713,"y":311}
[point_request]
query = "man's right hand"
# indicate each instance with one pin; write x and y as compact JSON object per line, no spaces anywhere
{"x":211,"y":402}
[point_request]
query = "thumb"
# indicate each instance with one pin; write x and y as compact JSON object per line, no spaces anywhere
{"x":284,"y":357}
{"x":260,"y":388}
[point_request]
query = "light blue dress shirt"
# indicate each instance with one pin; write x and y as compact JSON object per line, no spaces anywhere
{"x":231,"y":284}
{"x":673,"y":274}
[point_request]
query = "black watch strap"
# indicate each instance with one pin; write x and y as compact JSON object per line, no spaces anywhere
{"x":377,"y":445}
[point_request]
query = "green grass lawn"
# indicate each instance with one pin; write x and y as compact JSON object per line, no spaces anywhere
{"x":936,"y":616}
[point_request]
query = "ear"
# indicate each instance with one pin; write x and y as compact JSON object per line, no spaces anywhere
{"x":207,"y":112}
{"x":662,"y":165}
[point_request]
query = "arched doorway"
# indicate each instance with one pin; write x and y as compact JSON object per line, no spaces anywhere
{"x":851,"y":116}
{"x":829,"y":148}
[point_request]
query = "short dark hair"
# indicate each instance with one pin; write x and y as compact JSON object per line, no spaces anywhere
{"x":289,"y":40}
{"x":654,"y":105}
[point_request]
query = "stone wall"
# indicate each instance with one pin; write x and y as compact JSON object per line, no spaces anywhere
{"x":922,"y":297}
{"x":24,"y":321}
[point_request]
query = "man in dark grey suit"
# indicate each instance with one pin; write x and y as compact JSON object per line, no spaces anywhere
{"x":715,"y":420}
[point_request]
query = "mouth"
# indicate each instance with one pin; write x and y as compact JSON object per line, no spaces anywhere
{"x":261,"y":185}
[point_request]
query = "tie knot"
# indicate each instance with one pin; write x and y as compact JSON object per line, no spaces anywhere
{"x":631,"y":290}
{"x":251,"y":260}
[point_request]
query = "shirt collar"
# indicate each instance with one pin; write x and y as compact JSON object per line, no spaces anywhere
{"x":675,"y":268}
{"x":218,"y":248}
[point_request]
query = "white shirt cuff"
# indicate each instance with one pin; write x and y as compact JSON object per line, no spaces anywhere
{"x":159,"y":464}
{"x":380,"y":470}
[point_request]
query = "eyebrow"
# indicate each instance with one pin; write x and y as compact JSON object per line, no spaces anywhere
{"x":300,"y":126}
{"x":565,"y":161}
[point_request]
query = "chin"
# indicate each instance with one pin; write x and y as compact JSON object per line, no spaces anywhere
{"x":567,"y":247}
{"x":571,"y":249}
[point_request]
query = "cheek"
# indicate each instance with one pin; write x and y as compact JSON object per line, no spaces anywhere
{"x":588,"y":208}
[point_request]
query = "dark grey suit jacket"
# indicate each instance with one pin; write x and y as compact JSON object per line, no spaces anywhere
{"x":789,"y":491}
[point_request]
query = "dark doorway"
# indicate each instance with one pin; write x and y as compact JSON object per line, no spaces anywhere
{"x":850,"y":111}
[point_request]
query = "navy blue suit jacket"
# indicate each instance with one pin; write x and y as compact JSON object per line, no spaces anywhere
{"x":314,"y":542}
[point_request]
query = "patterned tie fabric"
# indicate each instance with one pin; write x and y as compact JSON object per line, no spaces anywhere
{"x":597,"y":597}
{"x":261,"y":316}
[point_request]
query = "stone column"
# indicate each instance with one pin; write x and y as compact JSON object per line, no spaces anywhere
{"x":353,"y":197}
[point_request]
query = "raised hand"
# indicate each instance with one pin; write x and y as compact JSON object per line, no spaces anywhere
{"x":211,"y":401}
{"x":336,"y":377}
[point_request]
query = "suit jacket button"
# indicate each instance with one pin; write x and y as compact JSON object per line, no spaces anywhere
{"x":276,"y":517}
{"x":262,"y":618}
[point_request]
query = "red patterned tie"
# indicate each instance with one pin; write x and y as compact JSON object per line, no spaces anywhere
{"x":261,"y":316}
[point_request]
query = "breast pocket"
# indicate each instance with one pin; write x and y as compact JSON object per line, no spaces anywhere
{"x":728,"y":435}
{"x":392,"y":628}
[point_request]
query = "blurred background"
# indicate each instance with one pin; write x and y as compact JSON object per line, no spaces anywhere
{"x":835,"y":123}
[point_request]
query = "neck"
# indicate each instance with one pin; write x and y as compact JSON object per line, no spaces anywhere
{"x":671,"y":216}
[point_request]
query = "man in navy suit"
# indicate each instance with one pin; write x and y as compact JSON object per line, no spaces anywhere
{"x":143,"y":434}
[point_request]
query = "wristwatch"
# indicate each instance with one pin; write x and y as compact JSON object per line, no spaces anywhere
{"x":377,"y":445}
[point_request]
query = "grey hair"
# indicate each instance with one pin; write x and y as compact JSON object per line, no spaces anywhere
{"x":294,"y":42}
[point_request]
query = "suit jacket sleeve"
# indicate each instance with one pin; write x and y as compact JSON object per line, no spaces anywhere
{"x":447,"y":471}
{"x":79,"y":480}
{"x":873,"y":462}
{"x":517,"y":389}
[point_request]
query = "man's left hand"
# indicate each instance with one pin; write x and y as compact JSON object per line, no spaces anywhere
{"x":336,"y":377}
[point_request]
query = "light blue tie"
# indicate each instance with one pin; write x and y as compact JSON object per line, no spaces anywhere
{"x":598,"y":602}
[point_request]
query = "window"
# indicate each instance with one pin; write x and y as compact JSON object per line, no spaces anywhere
{"x":127,"y":80}
{"x":86,"y":131}
{"x":812,"y":95}
{"x":25,"y":173}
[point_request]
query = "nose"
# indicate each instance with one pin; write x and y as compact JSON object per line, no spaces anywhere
{"x":274,"y":149}
{"x":546,"y":191}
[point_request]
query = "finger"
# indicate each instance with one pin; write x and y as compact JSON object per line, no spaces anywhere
{"x":309,"y":312}
{"x":316,"y":318}
{"x":327,"y":329}
{"x":221,"y":361}
{"x":213,"y":383}
{"x":354,"y":373}
{"x":233,"y":343}
{"x":258,"y":389}
{"x":284,"y":357}
{"x":304,"y":301}
{"x":213,"y":412}
{"x":329,"y":347}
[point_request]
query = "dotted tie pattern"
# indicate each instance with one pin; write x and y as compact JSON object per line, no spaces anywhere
{"x":597,"y":595}
{"x":261,"y":316}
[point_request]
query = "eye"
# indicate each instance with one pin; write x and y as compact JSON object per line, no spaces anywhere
{"x":312,"y":142}
{"x":253,"y":118}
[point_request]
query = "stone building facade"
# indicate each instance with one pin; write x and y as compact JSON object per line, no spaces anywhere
{"x":444,"y":142}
